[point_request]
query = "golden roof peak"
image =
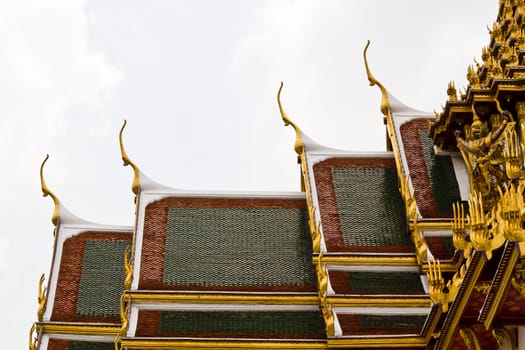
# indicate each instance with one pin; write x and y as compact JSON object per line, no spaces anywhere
{"x":385,"y":104}
{"x":127,"y":161}
{"x":298,"y":146}
{"x":47,"y":192}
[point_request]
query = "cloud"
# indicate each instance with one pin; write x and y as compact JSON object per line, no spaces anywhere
{"x":3,"y":254}
{"x":48,"y":71}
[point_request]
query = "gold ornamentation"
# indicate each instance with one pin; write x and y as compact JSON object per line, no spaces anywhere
{"x":47,"y":192}
{"x":118,"y":338}
{"x":507,"y":336}
{"x":483,"y":238}
{"x":451,"y":92}
{"x":326,"y":308}
{"x":298,"y":146}
{"x":470,"y":338}
{"x":459,"y":233}
{"x":510,"y":212}
{"x":128,"y":267}
{"x":42,"y":298}
{"x":518,"y":280}
{"x":482,"y":287}
{"x":135,"y":187}
{"x":315,"y":230}
{"x":385,"y":104}
{"x":33,"y":337}
{"x":125,"y":304}
{"x":472,"y":77}
{"x":438,"y":291}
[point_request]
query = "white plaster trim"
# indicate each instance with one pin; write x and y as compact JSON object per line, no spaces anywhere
{"x":462,"y":176}
{"x":338,"y":330}
{"x":382,"y":310}
{"x":424,"y":282}
{"x":440,"y":233}
{"x":133,"y":321}
{"x":63,"y":232}
{"x":77,"y":337}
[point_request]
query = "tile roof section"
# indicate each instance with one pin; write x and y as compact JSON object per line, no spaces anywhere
{"x":61,"y":344}
{"x":360,"y":205}
{"x":368,"y":324}
{"x":81,"y":295}
{"x":367,"y":282}
{"x":231,"y":324}
{"x":433,"y":177}
{"x":230,"y":244}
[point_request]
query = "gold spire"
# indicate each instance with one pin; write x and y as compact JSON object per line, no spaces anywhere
{"x":47,"y":192}
{"x":127,"y":161}
{"x":385,"y":104}
{"x":298,"y":146}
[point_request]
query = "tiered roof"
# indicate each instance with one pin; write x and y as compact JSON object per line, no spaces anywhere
{"x":418,"y":247}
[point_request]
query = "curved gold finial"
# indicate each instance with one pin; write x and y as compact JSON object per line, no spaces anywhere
{"x":298,"y":146}
{"x":136,"y":174}
{"x":385,"y":104}
{"x":47,"y":192}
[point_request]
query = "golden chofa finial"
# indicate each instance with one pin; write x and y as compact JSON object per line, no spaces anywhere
{"x":47,"y":192}
{"x":451,"y":92}
{"x":373,"y":81}
{"x":298,"y":146}
{"x":135,"y":186}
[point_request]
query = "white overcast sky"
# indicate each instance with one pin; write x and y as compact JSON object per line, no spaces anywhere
{"x":197,"y":82}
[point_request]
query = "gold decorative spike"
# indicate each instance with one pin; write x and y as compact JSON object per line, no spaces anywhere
{"x":419,"y":242}
{"x":470,"y":338}
{"x":437,"y":284}
{"x":485,"y":54}
{"x":298,"y":146}
{"x":438,"y":291}
{"x":507,"y":336}
{"x":459,"y":234}
{"x":472,"y":77}
{"x":451,"y":92}
{"x":385,"y":104}
{"x":33,"y":337}
{"x":510,"y":212}
{"x":479,"y":233}
{"x":125,"y":303}
{"x":47,"y":192}
{"x":314,"y":230}
{"x":127,"y":161}
{"x":128,"y":267}
{"x":42,"y":298}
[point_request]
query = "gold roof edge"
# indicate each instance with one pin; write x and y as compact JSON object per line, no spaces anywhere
{"x":385,"y":103}
{"x":299,"y":145}
{"x":47,"y":192}
{"x":127,"y":161}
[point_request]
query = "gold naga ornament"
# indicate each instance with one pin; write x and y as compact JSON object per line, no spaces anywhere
{"x":495,"y":162}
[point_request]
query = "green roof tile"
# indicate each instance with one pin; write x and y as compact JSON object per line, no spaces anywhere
{"x":385,"y":282}
{"x":371,"y":211}
{"x":101,"y":282}
{"x":238,"y":247}
{"x":87,"y":345}
{"x":242,"y":322}
{"x":392,"y":321}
